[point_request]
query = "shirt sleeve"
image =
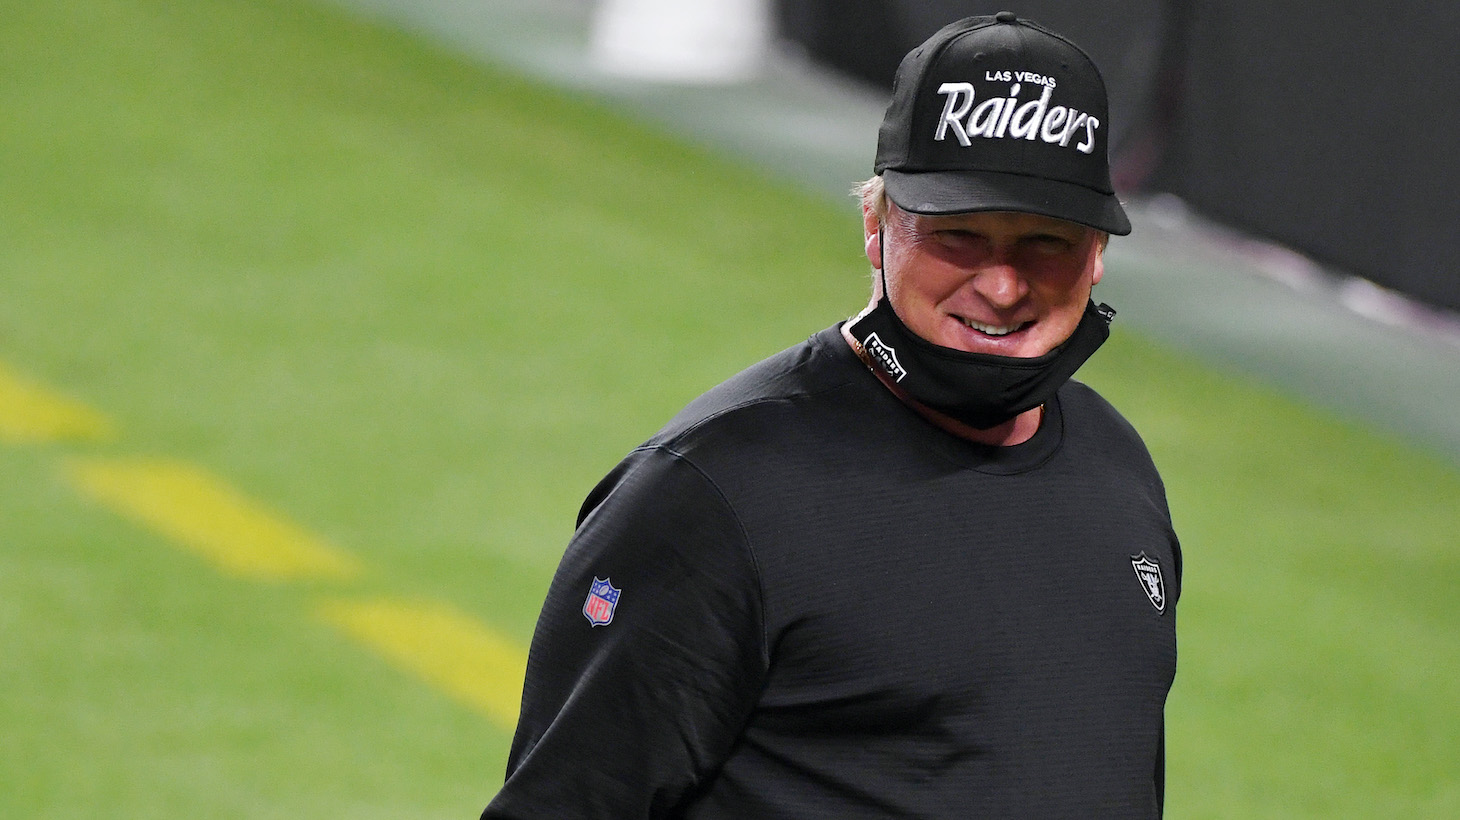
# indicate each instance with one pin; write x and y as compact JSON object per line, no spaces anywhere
{"x":627,"y":713}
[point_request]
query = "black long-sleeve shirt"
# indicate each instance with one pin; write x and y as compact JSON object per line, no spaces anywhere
{"x":823,"y":606}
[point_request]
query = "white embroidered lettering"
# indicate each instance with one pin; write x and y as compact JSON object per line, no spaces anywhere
{"x":1089,"y":144}
{"x":1077,"y":119}
{"x":986,"y":117}
{"x":1006,"y":116}
{"x":960,"y":99}
{"x":1049,"y":132}
{"x":1008,"y":110}
{"x":1025,"y":123}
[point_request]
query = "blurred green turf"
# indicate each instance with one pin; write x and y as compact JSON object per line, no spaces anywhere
{"x":419,"y":306}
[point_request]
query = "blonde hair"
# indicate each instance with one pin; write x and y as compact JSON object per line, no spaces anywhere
{"x":873,"y":196}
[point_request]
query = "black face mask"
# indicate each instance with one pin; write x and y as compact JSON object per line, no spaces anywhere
{"x":979,"y":389}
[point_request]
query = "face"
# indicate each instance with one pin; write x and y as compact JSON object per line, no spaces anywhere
{"x":1008,"y":284}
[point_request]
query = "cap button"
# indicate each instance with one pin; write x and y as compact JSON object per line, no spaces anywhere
{"x":1006,"y":17}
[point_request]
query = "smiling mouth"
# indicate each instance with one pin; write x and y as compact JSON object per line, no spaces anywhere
{"x":992,"y":330}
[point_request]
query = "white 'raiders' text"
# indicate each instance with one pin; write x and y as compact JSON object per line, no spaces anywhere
{"x":1000,"y":117}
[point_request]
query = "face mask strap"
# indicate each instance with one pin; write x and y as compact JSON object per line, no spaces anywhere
{"x":882,"y":261}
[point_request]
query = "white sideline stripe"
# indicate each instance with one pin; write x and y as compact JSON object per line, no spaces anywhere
{"x":714,"y":41}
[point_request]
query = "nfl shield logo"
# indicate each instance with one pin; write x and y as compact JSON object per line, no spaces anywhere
{"x":602,"y":598}
{"x":1149,"y":573}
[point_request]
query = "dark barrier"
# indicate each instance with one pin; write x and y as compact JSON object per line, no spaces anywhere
{"x":1332,"y":127}
{"x":1328,"y":126}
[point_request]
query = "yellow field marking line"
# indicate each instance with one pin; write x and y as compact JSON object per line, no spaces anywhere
{"x":204,"y":515}
{"x":447,"y":648}
{"x":29,"y":414}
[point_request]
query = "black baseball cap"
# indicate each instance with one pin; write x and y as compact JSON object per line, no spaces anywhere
{"x":1000,"y":114}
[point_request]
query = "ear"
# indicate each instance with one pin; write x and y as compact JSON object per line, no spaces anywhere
{"x":872,"y":236}
{"x":1102,"y":241}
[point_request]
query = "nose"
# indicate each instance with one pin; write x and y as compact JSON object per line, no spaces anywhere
{"x":1001,"y":284}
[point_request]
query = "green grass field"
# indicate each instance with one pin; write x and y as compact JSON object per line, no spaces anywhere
{"x":417,"y":307}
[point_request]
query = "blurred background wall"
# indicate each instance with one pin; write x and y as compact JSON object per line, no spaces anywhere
{"x":1330,"y":127}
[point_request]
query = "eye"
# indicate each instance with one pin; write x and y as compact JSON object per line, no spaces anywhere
{"x":959,"y":238}
{"x":1048,"y":243}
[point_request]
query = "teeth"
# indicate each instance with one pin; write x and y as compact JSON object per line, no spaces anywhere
{"x":992,"y":330}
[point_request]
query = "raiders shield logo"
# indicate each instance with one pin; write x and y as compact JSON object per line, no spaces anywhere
{"x":1149,"y":574}
{"x":602,"y":599}
{"x":885,"y":356}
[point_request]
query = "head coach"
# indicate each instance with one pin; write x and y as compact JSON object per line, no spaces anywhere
{"x":909,"y":568}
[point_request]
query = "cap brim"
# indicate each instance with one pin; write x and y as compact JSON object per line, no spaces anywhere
{"x":937,"y":193}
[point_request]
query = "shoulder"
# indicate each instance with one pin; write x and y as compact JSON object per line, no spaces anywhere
{"x":775,"y":405}
{"x":1094,"y":425}
{"x":769,"y":403}
{"x":769,"y":428}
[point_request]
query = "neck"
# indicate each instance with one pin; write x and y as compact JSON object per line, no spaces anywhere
{"x":1017,"y":430}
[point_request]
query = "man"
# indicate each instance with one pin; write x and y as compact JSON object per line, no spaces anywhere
{"x":906,"y":569}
